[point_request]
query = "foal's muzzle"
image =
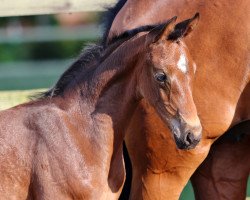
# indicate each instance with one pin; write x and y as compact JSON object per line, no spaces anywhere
{"x":188,"y":140}
{"x":185,"y":135}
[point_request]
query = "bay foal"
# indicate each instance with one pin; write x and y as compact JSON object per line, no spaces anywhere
{"x":68,"y":144}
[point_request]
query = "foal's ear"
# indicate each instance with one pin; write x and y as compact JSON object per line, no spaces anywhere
{"x":161,"y":32}
{"x":182,"y":29}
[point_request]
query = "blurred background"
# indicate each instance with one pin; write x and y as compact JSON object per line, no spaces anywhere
{"x":35,"y":50}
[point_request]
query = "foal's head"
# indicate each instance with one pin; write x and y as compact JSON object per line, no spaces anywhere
{"x":166,"y":80}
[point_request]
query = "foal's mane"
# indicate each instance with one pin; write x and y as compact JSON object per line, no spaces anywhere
{"x":90,"y":57}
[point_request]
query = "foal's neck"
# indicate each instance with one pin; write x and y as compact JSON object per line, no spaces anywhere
{"x":104,"y":99}
{"x":109,"y":89}
{"x":116,"y":99}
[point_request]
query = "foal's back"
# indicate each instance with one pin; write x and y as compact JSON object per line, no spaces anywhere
{"x":25,"y":147}
{"x":40,"y":153}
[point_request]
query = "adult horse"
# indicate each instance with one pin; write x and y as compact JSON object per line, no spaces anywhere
{"x":221,"y":92}
{"x":68,"y":144}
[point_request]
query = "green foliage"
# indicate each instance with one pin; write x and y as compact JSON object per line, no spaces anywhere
{"x":40,"y":51}
{"x":28,"y":20}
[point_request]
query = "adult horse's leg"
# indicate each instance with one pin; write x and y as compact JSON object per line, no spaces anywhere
{"x":225,"y":171}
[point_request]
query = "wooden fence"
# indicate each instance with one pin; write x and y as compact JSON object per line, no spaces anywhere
{"x":39,"y":7}
{"x":10,"y":8}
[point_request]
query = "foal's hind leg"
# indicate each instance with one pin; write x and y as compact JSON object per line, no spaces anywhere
{"x":224,"y":173}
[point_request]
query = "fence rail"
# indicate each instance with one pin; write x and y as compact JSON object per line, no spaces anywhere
{"x":49,"y":33}
{"x":36,"y":7}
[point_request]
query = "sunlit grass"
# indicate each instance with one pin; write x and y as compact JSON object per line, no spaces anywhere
{"x":9,"y":99}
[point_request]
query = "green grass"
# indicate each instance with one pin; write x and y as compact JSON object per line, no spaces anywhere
{"x":12,"y":98}
{"x":187,"y":193}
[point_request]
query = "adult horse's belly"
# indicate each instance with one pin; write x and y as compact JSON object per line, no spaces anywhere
{"x":220,"y":91}
{"x":243,"y":107}
{"x":216,"y":104}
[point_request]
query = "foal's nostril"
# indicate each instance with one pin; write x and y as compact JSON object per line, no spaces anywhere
{"x":189,"y":138}
{"x":187,"y":141}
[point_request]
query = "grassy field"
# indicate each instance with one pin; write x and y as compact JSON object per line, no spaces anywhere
{"x":11,"y":98}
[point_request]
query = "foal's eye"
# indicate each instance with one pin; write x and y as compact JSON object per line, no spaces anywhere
{"x":161,"y":77}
